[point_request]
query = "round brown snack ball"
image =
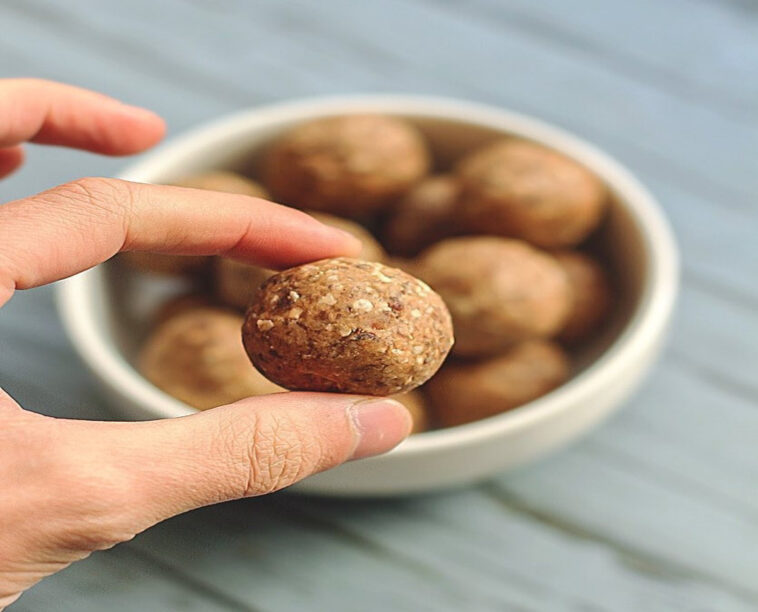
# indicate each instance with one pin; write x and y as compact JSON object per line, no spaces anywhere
{"x":197,"y":356}
{"x":521,"y":189}
{"x":180,"y":303}
{"x":349,"y":165}
{"x":183,"y":265}
{"x":499,"y":291}
{"x":349,"y":326}
{"x":462,"y":393}
{"x":236,"y":282}
{"x":415,"y":402}
{"x":591,"y":295}
{"x":221,"y":180}
{"x":425,"y":215}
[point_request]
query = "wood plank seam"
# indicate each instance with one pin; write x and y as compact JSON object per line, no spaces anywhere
{"x":635,"y":559}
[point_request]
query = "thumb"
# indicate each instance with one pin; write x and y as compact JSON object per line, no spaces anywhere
{"x":251,"y":447}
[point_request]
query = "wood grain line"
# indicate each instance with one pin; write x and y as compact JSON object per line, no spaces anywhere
{"x":744,"y":390}
{"x":696,"y":491}
{"x":173,"y":573}
{"x":189,"y":75}
{"x":707,"y":283}
{"x":748,"y":7}
{"x":551,"y":33}
{"x":312,"y":513}
{"x":633,"y":558}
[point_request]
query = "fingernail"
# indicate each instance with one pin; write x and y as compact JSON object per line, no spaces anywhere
{"x":381,"y":424}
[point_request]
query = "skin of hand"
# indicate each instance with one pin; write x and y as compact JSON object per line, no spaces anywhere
{"x":71,"y":487}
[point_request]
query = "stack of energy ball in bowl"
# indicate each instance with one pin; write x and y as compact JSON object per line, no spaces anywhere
{"x":503,"y":236}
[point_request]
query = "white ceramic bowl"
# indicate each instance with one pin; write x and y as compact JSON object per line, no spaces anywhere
{"x":636,"y":237}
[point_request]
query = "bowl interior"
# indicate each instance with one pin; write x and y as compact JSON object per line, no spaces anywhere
{"x":122,"y":304}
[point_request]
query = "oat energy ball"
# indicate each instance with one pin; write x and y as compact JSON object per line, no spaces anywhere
{"x":499,"y":291}
{"x":462,"y":393}
{"x":182,"y":265}
{"x":426,"y":214}
{"x":197,"y":356}
{"x":349,"y":326}
{"x":591,"y":296}
{"x":236,"y":282}
{"x":524,"y":190}
{"x":350,"y":165}
{"x":181,"y":303}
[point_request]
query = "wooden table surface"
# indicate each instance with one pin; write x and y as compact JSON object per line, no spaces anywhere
{"x":656,"y":510}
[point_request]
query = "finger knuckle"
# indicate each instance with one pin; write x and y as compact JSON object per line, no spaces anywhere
{"x":93,"y":197}
{"x":99,"y":192}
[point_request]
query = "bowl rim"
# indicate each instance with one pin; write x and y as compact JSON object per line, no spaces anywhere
{"x":645,"y":327}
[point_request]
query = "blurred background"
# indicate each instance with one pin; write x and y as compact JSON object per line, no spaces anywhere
{"x":655,"y":510}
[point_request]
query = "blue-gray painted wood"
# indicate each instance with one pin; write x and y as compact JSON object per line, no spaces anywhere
{"x":658,"y":509}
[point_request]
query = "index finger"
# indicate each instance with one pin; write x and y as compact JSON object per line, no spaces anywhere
{"x":73,"y":227}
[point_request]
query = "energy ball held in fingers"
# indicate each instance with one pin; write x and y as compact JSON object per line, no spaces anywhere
{"x":352,"y":165}
{"x":192,"y":265}
{"x":499,"y":291}
{"x":591,"y":296}
{"x":462,"y":393}
{"x":236,"y":282}
{"x":197,"y":356}
{"x":524,"y":190}
{"x":348,"y":326}
{"x":426,"y":214}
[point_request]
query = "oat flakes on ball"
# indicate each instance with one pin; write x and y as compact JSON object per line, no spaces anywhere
{"x":348,"y":326}
{"x":524,"y":190}
{"x":499,"y":291}
{"x":462,"y":393}
{"x":351,"y":165}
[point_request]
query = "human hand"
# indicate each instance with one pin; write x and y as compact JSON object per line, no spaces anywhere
{"x":71,"y":487}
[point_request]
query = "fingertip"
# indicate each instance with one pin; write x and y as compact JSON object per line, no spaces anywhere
{"x":349,"y":244}
{"x":337,"y":241}
{"x":139,"y":129}
{"x":380,"y":424}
